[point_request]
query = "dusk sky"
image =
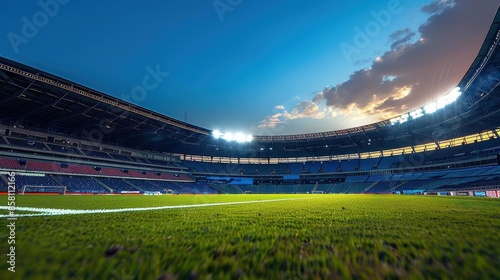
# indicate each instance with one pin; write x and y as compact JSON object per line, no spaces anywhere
{"x":260,"y":67}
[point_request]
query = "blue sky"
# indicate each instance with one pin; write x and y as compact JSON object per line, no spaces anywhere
{"x":263,"y":67}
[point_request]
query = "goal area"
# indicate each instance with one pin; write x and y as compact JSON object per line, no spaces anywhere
{"x":44,"y":189}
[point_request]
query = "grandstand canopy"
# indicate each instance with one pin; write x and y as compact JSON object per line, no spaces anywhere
{"x":42,"y":102}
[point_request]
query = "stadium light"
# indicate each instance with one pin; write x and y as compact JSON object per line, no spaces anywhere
{"x":404,"y":118}
{"x":431,"y":108}
{"x":417,"y":113}
{"x":216,"y":134}
{"x":228,"y":136}
{"x":442,"y":102}
{"x":238,"y":137}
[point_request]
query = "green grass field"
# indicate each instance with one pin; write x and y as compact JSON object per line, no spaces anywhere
{"x":307,"y":237}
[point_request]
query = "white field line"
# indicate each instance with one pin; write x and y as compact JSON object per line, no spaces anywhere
{"x":57,"y":212}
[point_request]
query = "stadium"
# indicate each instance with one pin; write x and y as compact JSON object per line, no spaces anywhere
{"x":96,"y":187}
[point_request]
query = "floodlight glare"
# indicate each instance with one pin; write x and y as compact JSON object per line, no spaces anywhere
{"x":442,"y":102}
{"x":404,"y":118}
{"x":229,"y":136}
{"x":455,"y":94}
{"x":216,"y":134}
{"x":449,"y":98}
{"x":395,"y":120}
{"x":417,"y":113}
{"x":431,"y":108}
{"x":240,"y":137}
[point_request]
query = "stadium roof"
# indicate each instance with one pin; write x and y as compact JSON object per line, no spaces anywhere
{"x":43,"y":102}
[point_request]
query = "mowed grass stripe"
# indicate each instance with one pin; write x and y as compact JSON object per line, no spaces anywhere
{"x":135,"y":201}
{"x":57,"y":212}
{"x":325,"y":237}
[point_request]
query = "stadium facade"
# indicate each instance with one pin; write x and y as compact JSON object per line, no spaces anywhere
{"x":65,"y":137}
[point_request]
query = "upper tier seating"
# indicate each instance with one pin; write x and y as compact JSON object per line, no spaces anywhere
{"x":27,"y":143}
{"x":64,"y":149}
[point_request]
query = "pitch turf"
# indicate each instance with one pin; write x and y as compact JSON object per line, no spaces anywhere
{"x":311,"y":236}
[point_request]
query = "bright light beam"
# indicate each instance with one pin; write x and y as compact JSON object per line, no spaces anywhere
{"x":238,"y":137}
{"x":442,"y":102}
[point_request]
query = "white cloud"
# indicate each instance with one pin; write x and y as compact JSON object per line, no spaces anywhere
{"x":303,"y":110}
{"x":412,"y":72}
{"x":271,"y":121}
